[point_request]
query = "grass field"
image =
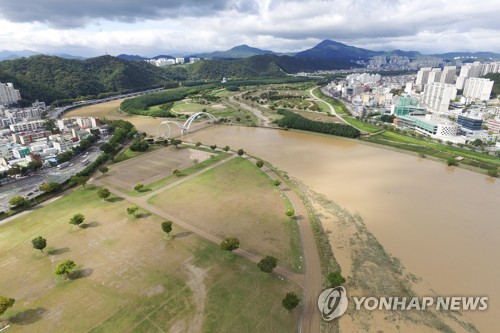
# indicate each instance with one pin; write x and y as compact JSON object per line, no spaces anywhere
{"x":153,"y":168}
{"x":125,"y":155}
{"x":339,"y":107}
{"x":236,"y":199}
{"x":362,"y":125}
{"x":184,"y":172}
{"x":130,"y":277}
{"x":435,"y":149}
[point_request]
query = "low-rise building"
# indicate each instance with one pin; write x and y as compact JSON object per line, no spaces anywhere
{"x":21,"y":152}
{"x":471,"y":121}
{"x":493,"y":125}
{"x":27,"y":126}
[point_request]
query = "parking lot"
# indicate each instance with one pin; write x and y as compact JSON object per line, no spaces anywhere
{"x":28,"y":187}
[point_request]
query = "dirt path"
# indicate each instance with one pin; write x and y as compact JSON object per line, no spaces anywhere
{"x":256,"y":112}
{"x":311,"y":283}
{"x":311,"y":320}
{"x":332,"y":109}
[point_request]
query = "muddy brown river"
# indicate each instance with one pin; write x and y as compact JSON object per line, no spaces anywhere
{"x":442,"y":223}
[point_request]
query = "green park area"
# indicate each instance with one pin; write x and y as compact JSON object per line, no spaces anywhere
{"x":362,"y":126}
{"x":438,"y":150}
{"x":237,"y":199}
{"x":130,"y":276}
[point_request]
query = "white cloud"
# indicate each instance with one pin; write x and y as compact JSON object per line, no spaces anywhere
{"x":425,"y":25}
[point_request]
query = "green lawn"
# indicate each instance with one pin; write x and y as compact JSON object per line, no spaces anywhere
{"x":186,"y":172}
{"x":130,"y":154}
{"x":435,"y":149}
{"x":237,"y":199}
{"x":339,"y":107}
{"x":362,"y":125}
{"x":130,"y":276}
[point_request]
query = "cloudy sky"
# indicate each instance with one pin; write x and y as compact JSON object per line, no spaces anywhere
{"x":151,"y":27}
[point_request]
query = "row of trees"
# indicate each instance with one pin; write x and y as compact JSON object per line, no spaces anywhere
{"x":293,"y":120}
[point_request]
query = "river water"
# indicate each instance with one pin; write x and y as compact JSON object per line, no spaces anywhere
{"x":443,"y":223}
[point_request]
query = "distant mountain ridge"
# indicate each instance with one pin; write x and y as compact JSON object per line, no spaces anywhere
{"x":237,"y":52}
{"x":10,"y":55}
{"x":325,"y":50}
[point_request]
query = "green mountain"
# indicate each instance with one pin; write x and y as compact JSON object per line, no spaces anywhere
{"x":49,"y":78}
{"x":237,"y":52}
{"x":329,"y":49}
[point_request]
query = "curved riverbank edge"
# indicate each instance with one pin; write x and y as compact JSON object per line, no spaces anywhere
{"x":376,"y":145}
{"x":372,"y":271}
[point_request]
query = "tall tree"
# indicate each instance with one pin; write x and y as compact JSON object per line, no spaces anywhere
{"x":230,"y":244}
{"x":267,"y":264}
{"x":290,"y":301}
{"x":167,"y":226}
{"x":5,"y":303}
{"x":103,"y":193}
{"x":65,"y":268}
{"x":39,"y":243}
{"x":77,"y":219}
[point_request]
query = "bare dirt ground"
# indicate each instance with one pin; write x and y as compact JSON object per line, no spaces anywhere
{"x":152,"y":166}
{"x":371,"y":271}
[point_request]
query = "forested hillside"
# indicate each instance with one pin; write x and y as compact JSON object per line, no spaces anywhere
{"x":496,"y":86}
{"x":49,"y":78}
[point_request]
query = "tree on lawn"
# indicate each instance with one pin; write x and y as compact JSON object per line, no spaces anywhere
{"x":65,"y":268}
{"x":290,"y":212}
{"x":198,"y":144}
{"x":167,"y":226}
{"x":226,"y":149}
{"x":39,"y":243}
{"x":336,"y":279}
{"x":230,"y":244}
{"x":240,"y":152}
{"x":213,"y":147}
{"x":176,"y":172}
{"x":132,"y":210}
{"x":267,"y":264}
{"x":259,"y":163}
{"x":290,"y":301}
{"x":5,"y":303}
{"x":276,"y":182}
{"x":104,"y":169}
{"x":77,"y":219}
{"x":103,"y":193}
{"x":139,"y":187}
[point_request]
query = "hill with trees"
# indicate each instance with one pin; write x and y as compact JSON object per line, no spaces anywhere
{"x":496,"y":86}
{"x":49,"y":78}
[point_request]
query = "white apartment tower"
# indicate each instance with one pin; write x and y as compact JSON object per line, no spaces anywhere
{"x":437,"y":96}
{"x":449,"y":75}
{"x":476,"y":88}
{"x":423,"y":76}
{"x":8,"y":95}
{"x":467,"y":71}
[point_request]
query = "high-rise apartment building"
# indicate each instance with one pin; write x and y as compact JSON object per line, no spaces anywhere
{"x":437,"y":96}
{"x":476,"y":88}
{"x":8,"y":94}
